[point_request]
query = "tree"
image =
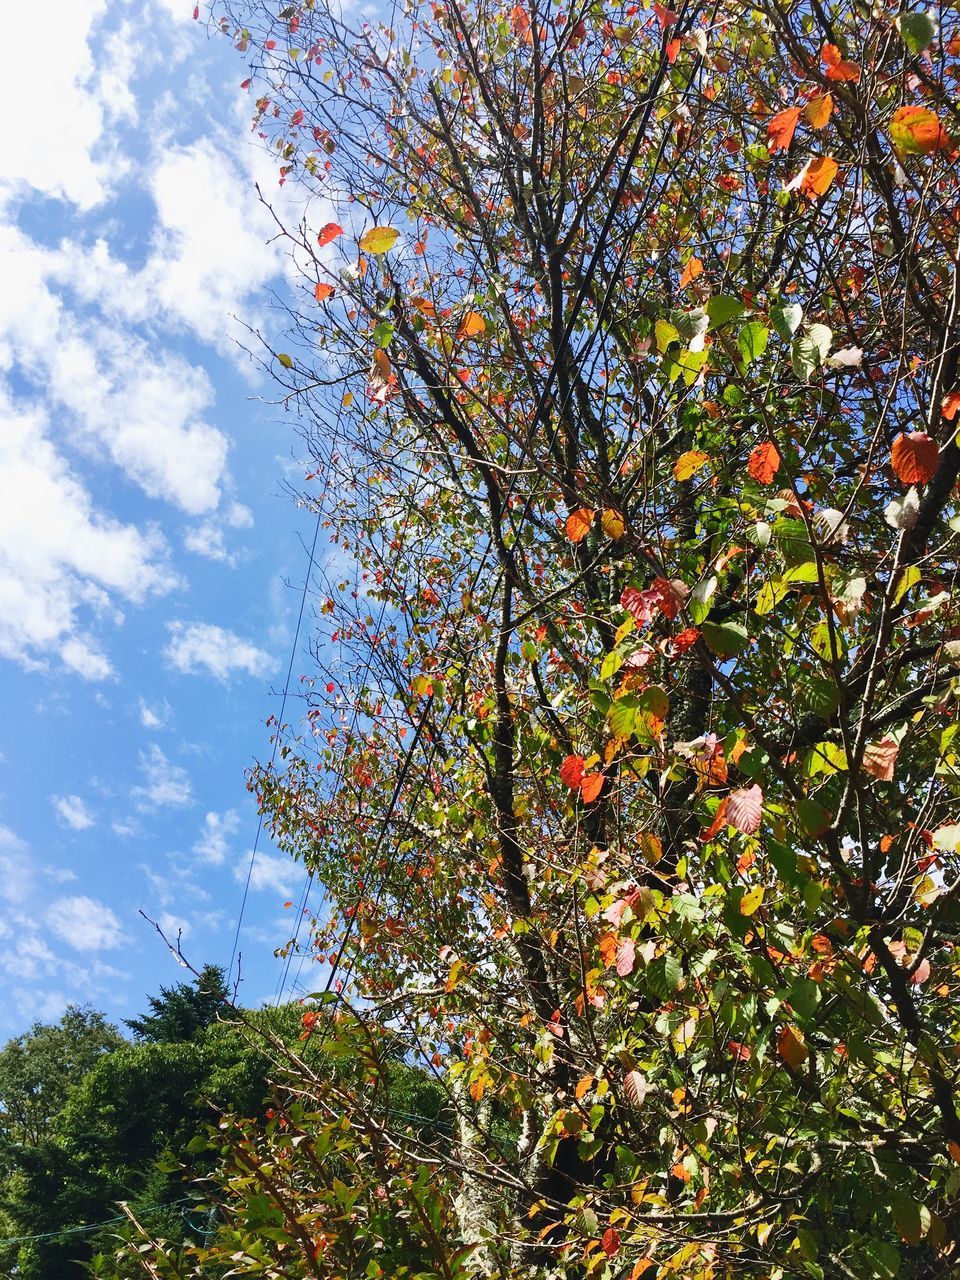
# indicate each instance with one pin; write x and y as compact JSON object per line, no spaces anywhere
{"x":39,"y":1069}
{"x":626,"y":350}
{"x":183,"y":1011}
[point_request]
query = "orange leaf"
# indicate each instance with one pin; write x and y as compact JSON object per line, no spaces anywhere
{"x":329,"y":232}
{"x":918,"y":131}
{"x":608,"y":949}
{"x":579,"y":523}
{"x":914,"y":457}
{"x":781,"y":129}
{"x":571,"y":771}
{"x":818,"y":176}
{"x":954,"y":1149}
{"x":584,"y":1086}
{"x":591,"y":786}
{"x":879,"y":759}
{"x":763,"y":463}
{"x":673,"y":48}
{"x":424,"y":306}
{"x":791,"y":1047}
{"x":472,"y":325}
{"x":818,"y":111}
{"x":836,"y":67}
{"x":690,"y":272}
{"x":323,"y":291}
{"x":950,"y":404}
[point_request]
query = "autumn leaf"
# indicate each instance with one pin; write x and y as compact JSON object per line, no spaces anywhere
{"x":836,"y":67}
{"x":691,"y":271}
{"x":818,"y":176}
{"x":613,"y":523}
{"x":571,"y":771}
{"x":744,"y":809}
{"x":914,"y":457}
{"x":879,"y":759}
{"x":751,"y":900}
{"x":792,"y":1047}
{"x":379,"y":239}
{"x":917,"y":131}
{"x":610,"y":1242}
{"x":591,"y":786}
{"x":381,"y":376}
{"x":472,"y":325}
{"x":781,"y":128}
{"x":666,"y":17}
{"x":579,"y":523}
{"x":323,"y":291}
{"x":626,"y":957}
{"x":818,"y":111}
{"x":329,"y":233}
{"x":763,"y":463}
{"x":689,"y":463}
{"x":635,"y":1087}
{"x":949,"y":405}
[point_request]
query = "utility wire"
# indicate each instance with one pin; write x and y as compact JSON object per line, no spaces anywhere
{"x":276,"y":739}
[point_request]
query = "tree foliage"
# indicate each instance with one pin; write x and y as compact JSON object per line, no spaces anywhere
{"x":626,"y":352}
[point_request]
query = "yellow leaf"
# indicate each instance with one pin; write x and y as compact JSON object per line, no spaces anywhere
{"x":818,"y":110}
{"x":689,"y":463}
{"x":285,"y":360}
{"x":751,"y":900}
{"x":379,"y":239}
{"x":613,"y":523}
{"x":472,"y":325}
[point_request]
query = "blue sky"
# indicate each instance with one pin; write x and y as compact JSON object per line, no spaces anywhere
{"x":149,"y":559}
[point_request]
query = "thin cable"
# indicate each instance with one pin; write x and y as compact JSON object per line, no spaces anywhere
{"x":276,"y":740}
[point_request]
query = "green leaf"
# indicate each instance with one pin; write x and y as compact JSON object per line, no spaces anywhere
{"x":810,"y":350}
{"x":786,"y":318}
{"x":611,"y":664}
{"x":722,"y":309}
{"x":725,"y":639}
{"x":623,"y":716}
{"x":770,"y":595}
{"x":813,"y":817}
{"x":753,"y":341}
{"x":698,"y":605}
{"x":917,"y":30}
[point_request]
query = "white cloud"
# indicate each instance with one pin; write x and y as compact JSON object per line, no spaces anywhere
{"x":59,"y":557}
{"x":84,"y":923}
{"x":16,"y":873}
{"x":212,"y":844}
{"x":167,"y":785}
{"x":271,"y":871}
{"x":173,"y":926}
{"x":206,"y":539}
{"x":197,"y":645}
{"x":73,"y":812}
{"x":52,"y":89}
{"x":156,"y":716}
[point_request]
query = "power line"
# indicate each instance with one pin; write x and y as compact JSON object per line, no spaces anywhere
{"x":276,"y":739}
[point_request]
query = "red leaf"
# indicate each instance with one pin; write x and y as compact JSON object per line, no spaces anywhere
{"x":781,"y":129}
{"x":672,"y":49}
{"x":683,"y":641}
{"x":610,"y":1242}
{"x":950,"y":404}
{"x":571,"y":771}
{"x":328,"y":233}
{"x":297,"y":117}
{"x":915,"y":457}
{"x":626,"y":957}
{"x":591,"y":786}
{"x":672,"y":594}
{"x":763,"y":463}
{"x":196,"y":12}
{"x":921,"y":973}
{"x":744,"y":809}
{"x":718,"y":821}
{"x":639,"y":604}
{"x":666,"y":17}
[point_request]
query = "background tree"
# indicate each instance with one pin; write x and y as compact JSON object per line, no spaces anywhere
{"x":626,"y":353}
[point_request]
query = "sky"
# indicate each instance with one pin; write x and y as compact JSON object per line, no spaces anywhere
{"x":150,"y":560}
